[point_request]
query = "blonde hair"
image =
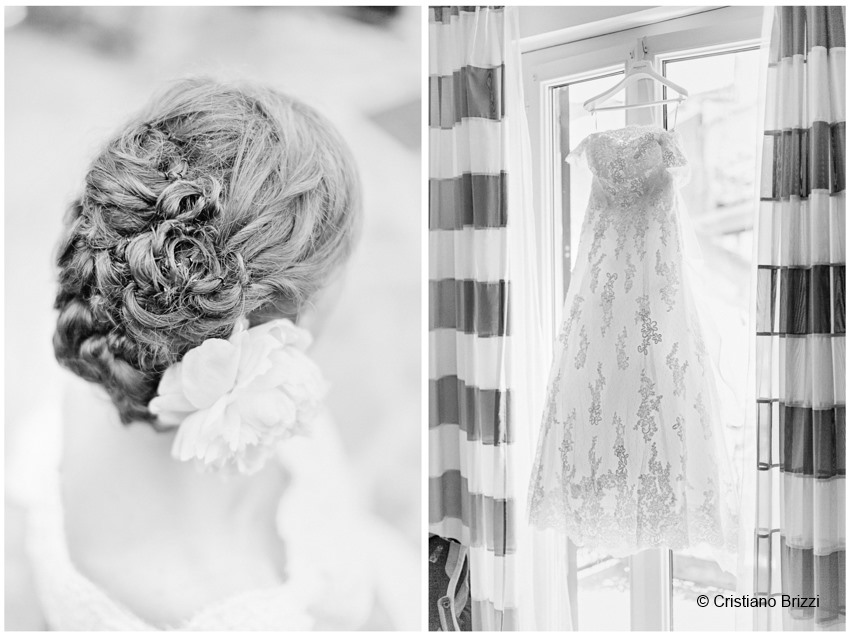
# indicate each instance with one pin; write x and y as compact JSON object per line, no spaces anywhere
{"x":219,"y":201}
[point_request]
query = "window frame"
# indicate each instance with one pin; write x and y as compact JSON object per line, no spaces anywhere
{"x":683,"y":56}
{"x":706,"y":31}
{"x":545,"y":70}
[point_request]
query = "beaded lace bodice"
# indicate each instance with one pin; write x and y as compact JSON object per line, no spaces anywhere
{"x":631,"y":164}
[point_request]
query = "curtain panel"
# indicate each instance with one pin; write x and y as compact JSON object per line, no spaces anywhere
{"x":800,"y":323}
{"x":471,"y":437}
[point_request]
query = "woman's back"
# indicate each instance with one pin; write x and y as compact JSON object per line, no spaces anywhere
{"x":160,"y":536}
{"x":112,"y":551}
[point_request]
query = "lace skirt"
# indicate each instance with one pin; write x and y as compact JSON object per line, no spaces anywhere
{"x":631,"y":453}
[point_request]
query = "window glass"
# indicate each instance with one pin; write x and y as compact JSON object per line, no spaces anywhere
{"x":603,"y":592}
{"x":718,"y":125}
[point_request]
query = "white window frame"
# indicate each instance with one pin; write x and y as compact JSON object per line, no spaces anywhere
{"x":570,"y":55}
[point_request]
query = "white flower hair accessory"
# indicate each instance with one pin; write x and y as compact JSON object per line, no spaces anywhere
{"x":233,"y":400}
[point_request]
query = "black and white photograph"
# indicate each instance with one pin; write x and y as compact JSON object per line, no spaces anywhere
{"x":637,"y":318}
{"x":213,"y":399}
{"x":425,"y":318}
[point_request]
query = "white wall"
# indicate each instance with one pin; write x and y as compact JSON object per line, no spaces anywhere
{"x":537,"y":20}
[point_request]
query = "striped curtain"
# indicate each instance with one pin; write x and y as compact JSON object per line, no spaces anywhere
{"x":471,"y":444}
{"x":800,"y":341}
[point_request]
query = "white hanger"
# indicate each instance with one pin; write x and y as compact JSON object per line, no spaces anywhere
{"x":640,"y":69}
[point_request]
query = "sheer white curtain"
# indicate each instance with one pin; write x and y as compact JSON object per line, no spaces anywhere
{"x":541,"y":555}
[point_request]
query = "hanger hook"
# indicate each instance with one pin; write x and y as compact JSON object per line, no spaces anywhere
{"x":640,"y":50}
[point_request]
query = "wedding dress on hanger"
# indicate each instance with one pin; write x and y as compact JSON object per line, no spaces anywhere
{"x":631,"y":453}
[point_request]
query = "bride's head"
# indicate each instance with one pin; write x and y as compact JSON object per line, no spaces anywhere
{"x":219,"y":201}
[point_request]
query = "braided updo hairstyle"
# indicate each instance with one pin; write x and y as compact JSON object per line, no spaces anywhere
{"x":219,"y":201}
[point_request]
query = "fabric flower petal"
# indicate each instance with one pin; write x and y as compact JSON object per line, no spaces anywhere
{"x":236,"y":400}
{"x":171,"y":409}
{"x":236,"y":432}
{"x":171,"y":406}
{"x":254,"y":358}
{"x":268,"y":409}
{"x":209,"y":371}
{"x":189,"y":441}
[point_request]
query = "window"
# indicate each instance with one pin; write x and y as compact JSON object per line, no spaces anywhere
{"x":717,"y":126}
{"x":715,"y":55}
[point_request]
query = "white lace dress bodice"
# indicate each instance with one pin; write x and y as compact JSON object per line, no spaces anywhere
{"x":341,"y":562}
{"x":631,"y":453}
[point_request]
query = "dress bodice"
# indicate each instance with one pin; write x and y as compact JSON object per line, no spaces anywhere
{"x":630,"y":163}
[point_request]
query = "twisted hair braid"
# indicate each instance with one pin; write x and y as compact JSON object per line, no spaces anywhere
{"x":218,"y":201}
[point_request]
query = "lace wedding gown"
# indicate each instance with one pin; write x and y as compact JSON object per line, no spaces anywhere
{"x":630,"y":453}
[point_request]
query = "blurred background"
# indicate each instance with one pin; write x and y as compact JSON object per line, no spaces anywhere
{"x":75,"y":74}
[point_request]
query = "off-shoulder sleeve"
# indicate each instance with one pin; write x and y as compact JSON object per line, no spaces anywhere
{"x":674,"y":157}
{"x":580,"y":155}
{"x":672,"y":150}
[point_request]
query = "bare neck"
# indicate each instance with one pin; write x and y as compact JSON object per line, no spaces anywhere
{"x":136,"y":461}
{"x":159,"y":536}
